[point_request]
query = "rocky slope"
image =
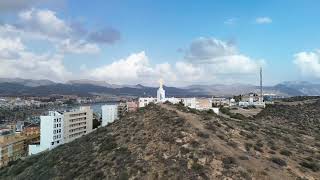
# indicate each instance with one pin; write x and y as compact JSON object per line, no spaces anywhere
{"x":173,"y":142}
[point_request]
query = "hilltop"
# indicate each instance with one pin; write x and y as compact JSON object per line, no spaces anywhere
{"x":174,"y":142}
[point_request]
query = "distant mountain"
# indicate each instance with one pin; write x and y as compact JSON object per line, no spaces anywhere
{"x":96,"y":83}
{"x":27,"y":82}
{"x":303,"y":87}
{"x":13,"y":87}
{"x":223,"y":90}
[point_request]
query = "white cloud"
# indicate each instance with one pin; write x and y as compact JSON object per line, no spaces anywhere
{"x":221,"y":57}
{"x":44,"y":22}
{"x":11,"y":44}
{"x":124,"y":70}
{"x":16,"y":61}
{"x":9,"y":47}
{"x":308,"y":63}
{"x":202,"y":50}
{"x":78,"y":47}
{"x":263,"y":20}
{"x":136,"y":68}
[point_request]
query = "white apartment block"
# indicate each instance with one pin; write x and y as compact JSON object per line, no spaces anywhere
{"x":51,"y":132}
{"x":62,"y":127}
{"x":109,"y":113}
{"x":77,"y":123}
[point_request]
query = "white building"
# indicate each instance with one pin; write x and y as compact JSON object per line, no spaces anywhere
{"x":146,"y":100}
{"x":62,"y":127}
{"x":190,"y":102}
{"x":77,"y":123}
{"x":51,"y":132}
{"x":109,"y":113}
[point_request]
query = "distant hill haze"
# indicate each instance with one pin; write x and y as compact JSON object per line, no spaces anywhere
{"x":28,"y":87}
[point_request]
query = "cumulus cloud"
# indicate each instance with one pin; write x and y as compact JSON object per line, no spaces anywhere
{"x":204,"y":50}
{"x":44,"y":22}
{"x":221,"y":57}
{"x":136,"y":68}
{"x":308,"y":63}
{"x":26,"y":64}
{"x":263,"y":20}
{"x":9,"y":47}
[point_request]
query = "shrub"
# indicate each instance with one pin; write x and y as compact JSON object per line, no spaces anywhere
{"x":243,"y":157}
{"x":279,"y":161}
{"x":202,"y":134}
{"x":229,"y":161}
{"x":310,"y":165}
{"x":248,"y":146}
{"x":197,"y":167}
{"x":232,"y":144}
{"x":285,"y":152}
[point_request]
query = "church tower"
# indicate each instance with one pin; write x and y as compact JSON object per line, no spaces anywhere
{"x":161,"y":94}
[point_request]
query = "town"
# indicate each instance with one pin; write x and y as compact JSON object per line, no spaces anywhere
{"x":62,"y":123}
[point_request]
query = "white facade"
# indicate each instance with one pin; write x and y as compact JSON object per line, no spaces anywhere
{"x":173,"y":100}
{"x":145,"y":101}
{"x":109,"y":113}
{"x":190,"y":102}
{"x":77,"y":123}
{"x":58,"y":128}
{"x":51,"y":132}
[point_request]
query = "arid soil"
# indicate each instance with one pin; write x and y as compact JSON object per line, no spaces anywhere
{"x":174,"y":142}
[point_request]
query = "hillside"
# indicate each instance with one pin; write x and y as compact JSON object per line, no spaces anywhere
{"x":174,"y":142}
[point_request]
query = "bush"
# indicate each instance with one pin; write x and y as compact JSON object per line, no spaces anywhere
{"x":232,"y":144}
{"x":248,"y":146}
{"x":285,"y":152}
{"x":197,"y":167}
{"x":229,"y":161}
{"x":311,"y":165}
{"x":202,"y":134}
{"x":279,"y":161}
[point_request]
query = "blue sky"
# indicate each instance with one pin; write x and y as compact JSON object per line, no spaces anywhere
{"x":183,"y":42}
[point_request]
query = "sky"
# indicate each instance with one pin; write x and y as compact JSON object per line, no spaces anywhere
{"x":182,"y":42}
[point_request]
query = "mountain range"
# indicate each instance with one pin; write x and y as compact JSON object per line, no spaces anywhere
{"x":26,"y":87}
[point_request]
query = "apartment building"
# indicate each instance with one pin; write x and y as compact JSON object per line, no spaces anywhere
{"x":62,"y":127}
{"x":77,"y":123}
{"x":12,"y":146}
{"x":109,"y":113}
{"x":51,"y":132}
